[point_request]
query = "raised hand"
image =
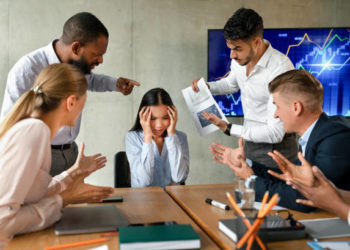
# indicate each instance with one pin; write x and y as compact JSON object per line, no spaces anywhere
{"x":86,"y":164}
{"x":172,"y":112}
{"x":323,"y":194}
{"x":226,"y":155}
{"x":194,"y":85}
{"x":234,"y":158}
{"x":145,"y":121}
{"x":215,"y":120}
{"x":125,"y":85}
{"x":289,"y":170}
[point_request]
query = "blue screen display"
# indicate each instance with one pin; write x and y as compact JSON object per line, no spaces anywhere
{"x":324,"y":52}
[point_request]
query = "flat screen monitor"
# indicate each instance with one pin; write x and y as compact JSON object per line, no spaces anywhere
{"x":324,"y":52}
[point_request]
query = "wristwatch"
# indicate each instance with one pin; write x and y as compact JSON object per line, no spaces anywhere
{"x":228,"y":129}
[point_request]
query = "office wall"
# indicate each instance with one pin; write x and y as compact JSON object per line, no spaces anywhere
{"x":157,"y":42}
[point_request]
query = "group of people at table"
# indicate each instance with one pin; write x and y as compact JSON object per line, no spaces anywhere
{"x":42,"y":169}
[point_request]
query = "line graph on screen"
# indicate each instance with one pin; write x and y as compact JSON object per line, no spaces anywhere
{"x":324,"y":52}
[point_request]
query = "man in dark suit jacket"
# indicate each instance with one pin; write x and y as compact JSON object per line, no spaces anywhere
{"x":298,"y":97}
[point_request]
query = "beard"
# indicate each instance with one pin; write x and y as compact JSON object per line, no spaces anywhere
{"x":81,"y":64}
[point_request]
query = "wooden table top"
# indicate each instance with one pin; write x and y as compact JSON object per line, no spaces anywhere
{"x":192,"y":199}
{"x":140,"y":205}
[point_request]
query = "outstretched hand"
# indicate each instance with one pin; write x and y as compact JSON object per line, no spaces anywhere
{"x":320,"y":194}
{"x":125,"y":86}
{"x":86,"y":164}
{"x":289,"y":170}
{"x":213,"y":118}
{"x":234,"y":158}
{"x":80,"y":192}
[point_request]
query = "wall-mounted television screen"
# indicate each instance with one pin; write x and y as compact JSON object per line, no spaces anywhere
{"x":324,"y":52}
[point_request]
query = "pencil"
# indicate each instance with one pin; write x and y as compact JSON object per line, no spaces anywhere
{"x":263,"y":202}
{"x":244,"y":218}
{"x":257,"y":223}
{"x":254,"y":234}
{"x":77,"y":244}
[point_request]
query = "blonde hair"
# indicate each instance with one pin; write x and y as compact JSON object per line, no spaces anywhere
{"x":299,"y":83}
{"x":54,"y":83}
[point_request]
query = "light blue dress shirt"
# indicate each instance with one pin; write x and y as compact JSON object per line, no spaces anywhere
{"x":305,"y":137}
{"x":148,"y":167}
{"x":22,"y":76}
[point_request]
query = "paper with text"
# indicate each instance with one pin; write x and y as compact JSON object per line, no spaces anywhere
{"x":200,"y":101}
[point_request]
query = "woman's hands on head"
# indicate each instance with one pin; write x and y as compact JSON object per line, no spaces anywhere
{"x":145,"y":121}
{"x":172,"y":112}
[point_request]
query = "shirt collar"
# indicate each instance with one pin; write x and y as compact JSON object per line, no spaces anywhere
{"x":51,"y":54}
{"x":266,"y":56}
{"x":305,"y":137}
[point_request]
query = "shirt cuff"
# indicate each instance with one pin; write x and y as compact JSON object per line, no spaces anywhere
{"x":349,"y":218}
{"x":236,"y":130}
{"x":172,"y":139}
{"x":249,"y":162}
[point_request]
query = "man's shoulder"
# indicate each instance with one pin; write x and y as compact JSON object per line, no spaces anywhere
{"x":33,"y":62}
{"x":279,"y":59}
{"x":331,"y":126}
{"x":334,"y":122}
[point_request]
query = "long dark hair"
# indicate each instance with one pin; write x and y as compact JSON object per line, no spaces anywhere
{"x":153,"y":97}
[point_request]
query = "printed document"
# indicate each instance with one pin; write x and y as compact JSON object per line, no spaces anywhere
{"x":200,"y":101}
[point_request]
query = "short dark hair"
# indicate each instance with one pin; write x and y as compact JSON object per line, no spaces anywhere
{"x":299,"y":83}
{"x":153,"y":97}
{"x":244,"y":24}
{"x":83,"y":27}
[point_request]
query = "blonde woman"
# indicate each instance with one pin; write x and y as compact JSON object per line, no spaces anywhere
{"x":30,"y":199}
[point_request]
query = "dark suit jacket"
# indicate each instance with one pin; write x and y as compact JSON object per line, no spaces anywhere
{"x":328,"y":148}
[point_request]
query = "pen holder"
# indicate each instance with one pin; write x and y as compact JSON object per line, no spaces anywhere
{"x":241,"y":229}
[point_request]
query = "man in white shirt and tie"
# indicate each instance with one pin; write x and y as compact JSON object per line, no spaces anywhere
{"x":254,"y":64}
{"x":83,"y":43}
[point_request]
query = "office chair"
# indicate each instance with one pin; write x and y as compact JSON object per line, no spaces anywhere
{"x":121,"y":170}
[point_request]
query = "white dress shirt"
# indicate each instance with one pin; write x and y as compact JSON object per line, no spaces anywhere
{"x":22,"y":76}
{"x":259,"y":124}
{"x":29,"y":199}
{"x":148,"y":167}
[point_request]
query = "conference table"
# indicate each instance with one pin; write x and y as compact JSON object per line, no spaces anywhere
{"x":140,"y":205}
{"x":183,"y":204}
{"x":192,"y":199}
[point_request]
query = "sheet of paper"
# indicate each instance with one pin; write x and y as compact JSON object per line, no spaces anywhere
{"x":200,"y":101}
{"x":104,"y":247}
{"x":333,"y":245}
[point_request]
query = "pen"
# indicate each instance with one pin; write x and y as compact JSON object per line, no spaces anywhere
{"x":76,"y":244}
{"x":217,"y":204}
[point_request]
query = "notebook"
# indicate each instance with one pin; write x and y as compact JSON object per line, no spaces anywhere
{"x":327,"y":228}
{"x":90,"y":219}
{"x":274,"y":228}
{"x":174,"y":236}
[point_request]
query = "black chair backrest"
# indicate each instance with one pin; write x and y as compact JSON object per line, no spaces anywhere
{"x":121,"y":170}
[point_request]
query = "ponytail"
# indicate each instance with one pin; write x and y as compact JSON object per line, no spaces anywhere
{"x":54,"y":83}
{"x":22,"y":109}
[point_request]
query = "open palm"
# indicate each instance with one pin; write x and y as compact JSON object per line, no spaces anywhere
{"x":291,"y":171}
